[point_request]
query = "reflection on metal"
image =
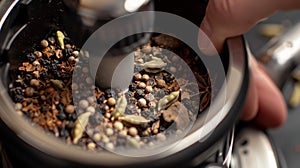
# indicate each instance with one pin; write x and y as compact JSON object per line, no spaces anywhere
{"x":133,"y":5}
{"x":228,"y":157}
{"x":253,"y":149}
{"x":281,"y":53}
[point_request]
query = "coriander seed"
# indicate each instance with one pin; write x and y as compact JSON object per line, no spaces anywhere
{"x":44,"y":43}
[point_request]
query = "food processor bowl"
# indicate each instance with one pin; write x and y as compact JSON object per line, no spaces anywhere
{"x":210,"y":139}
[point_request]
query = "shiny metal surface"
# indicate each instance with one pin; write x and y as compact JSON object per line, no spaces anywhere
{"x":91,"y":10}
{"x":253,"y":149}
{"x":281,"y":54}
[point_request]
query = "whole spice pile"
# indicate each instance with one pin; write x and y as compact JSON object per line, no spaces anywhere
{"x":161,"y":100}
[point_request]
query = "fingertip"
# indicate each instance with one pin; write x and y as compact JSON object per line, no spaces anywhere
{"x":207,"y":43}
{"x":272,"y":108}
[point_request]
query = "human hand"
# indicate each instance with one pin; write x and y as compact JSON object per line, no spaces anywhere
{"x":228,"y":18}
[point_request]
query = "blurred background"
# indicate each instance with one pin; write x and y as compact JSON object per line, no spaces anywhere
{"x":287,"y":137}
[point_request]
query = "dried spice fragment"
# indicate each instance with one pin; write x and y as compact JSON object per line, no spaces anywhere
{"x":58,"y":84}
{"x":134,"y":119}
{"x":167,"y":41}
{"x":179,"y":113}
{"x":60,"y":38}
{"x":79,"y":126}
{"x":120,"y":107}
{"x":168,"y":100}
{"x":155,"y":65}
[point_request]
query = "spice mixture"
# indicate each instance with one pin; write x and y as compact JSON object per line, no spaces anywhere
{"x":162,"y":99}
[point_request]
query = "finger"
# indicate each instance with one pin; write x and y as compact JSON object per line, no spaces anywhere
{"x":228,"y":18}
{"x":272,"y":110}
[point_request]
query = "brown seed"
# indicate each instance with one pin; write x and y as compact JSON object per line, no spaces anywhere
{"x":97,"y":137}
{"x":38,"y":54}
{"x":70,"y":109}
{"x":36,"y":63}
{"x":91,"y":99}
{"x":161,"y":83}
{"x":91,"y":146}
{"x":85,"y":69}
{"x":91,"y":109}
{"x":142,"y":102}
{"x":111,"y":101}
{"x":44,"y":43}
{"x":109,"y":131}
{"x":76,"y":60}
{"x":36,"y":74}
{"x":18,"y":106}
{"x":76,"y":53}
{"x":83,"y":104}
{"x":137,"y":76}
{"x":172,"y":69}
{"x":118,"y":125}
{"x":74,"y":86}
{"x":68,"y":46}
{"x":132,"y":131}
{"x":43,"y":97}
{"x":147,"y":49}
{"x":89,"y":80}
{"x":35,"y":82}
{"x":71,"y":59}
{"x":141,"y":85}
{"x":58,"y":123}
{"x":149,"y":89}
{"x":107,"y":115}
{"x":161,"y":137}
{"x":29,"y":91}
{"x":109,"y":146}
{"x":123,"y":132}
{"x":145,"y":77}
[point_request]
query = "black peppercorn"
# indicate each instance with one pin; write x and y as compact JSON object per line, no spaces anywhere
{"x":44,"y":75}
{"x":64,"y":133}
{"x":96,"y":119}
{"x":61,"y":116}
{"x":72,"y":116}
{"x":168,"y":78}
{"x":132,"y":87}
{"x":60,"y":107}
{"x":58,"y":75}
{"x":44,"y":109}
{"x":45,"y":63}
{"x":18,"y":98}
{"x":139,"y":94}
{"x":100,"y":99}
{"x":28,"y":78}
{"x":31,"y":57}
{"x":68,"y":52}
{"x":110,"y":93}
